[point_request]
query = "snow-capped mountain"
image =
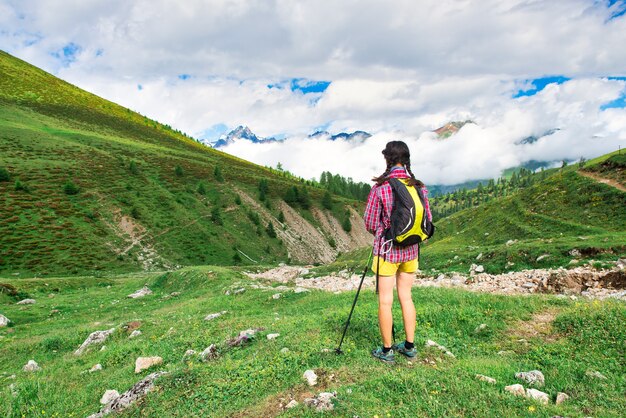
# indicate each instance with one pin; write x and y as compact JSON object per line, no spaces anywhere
{"x":356,"y":135}
{"x":240,"y":133}
{"x":243,"y":133}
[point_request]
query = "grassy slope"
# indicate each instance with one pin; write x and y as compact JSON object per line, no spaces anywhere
{"x":250,"y":381}
{"x":565,"y":211}
{"x":52,"y":132}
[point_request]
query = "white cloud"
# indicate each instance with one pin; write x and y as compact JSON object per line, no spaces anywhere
{"x":397,"y":69}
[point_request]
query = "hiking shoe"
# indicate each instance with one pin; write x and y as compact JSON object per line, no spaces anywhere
{"x":402,"y":350}
{"x":388,"y":357}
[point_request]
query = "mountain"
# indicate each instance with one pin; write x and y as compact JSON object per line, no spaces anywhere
{"x":241,"y":133}
{"x":450,"y":128}
{"x":344,"y":136}
{"x":244,"y":133}
{"x":534,"y":138}
{"x":87,"y":185}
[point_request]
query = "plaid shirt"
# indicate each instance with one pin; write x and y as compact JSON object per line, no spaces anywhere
{"x":377,"y":218}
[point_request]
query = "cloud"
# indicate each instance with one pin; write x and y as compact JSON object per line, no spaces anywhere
{"x":478,"y":151}
{"x":397,"y":69}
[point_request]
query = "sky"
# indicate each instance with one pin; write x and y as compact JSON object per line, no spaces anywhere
{"x":397,"y":69}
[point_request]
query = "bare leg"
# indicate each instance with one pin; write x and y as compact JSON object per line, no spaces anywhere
{"x":385,"y":300}
{"x":405,"y":283}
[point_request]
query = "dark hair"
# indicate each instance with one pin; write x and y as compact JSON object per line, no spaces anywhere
{"x":397,"y":152}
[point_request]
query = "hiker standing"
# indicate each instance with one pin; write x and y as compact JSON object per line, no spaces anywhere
{"x":393,"y":258}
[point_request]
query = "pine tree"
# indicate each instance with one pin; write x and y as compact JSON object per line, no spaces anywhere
{"x":327,"y":200}
{"x":270,"y":230}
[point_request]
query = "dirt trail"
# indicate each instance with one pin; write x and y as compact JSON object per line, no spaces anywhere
{"x":582,"y":281}
{"x":602,"y":180}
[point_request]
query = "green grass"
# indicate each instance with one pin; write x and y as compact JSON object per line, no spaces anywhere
{"x":249,"y":381}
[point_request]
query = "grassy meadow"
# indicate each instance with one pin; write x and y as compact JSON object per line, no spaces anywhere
{"x":255,"y":379}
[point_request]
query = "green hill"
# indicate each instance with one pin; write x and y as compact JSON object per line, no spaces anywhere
{"x":565,"y":216}
{"x":87,"y":185}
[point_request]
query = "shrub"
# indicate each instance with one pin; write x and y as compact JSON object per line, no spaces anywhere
{"x":19,"y":186}
{"x":134,"y":212}
{"x":133,"y":167}
{"x":217,"y":173}
{"x":303,"y":199}
{"x":270,"y":230}
{"x":237,"y":199}
{"x":281,"y":217}
{"x":346,"y":224}
{"x":4,"y":174}
{"x":216,"y":215}
{"x":291,"y":196}
{"x":70,"y":188}
{"x":263,"y":189}
{"x":201,"y":189}
{"x":178,"y":170}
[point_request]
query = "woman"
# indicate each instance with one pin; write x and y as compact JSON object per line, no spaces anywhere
{"x":393,"y":261}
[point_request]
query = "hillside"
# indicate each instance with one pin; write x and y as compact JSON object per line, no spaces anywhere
{"x":87,"y":186}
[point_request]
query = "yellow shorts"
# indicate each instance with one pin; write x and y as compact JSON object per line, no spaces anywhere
{"x":390,"y":269}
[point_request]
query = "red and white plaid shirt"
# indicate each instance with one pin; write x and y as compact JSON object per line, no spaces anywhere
{"x":378,"y":214}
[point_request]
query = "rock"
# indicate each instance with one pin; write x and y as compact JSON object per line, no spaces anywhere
{"x":543,"y":257}
{"x":573,"y":261}
{"x":135,"y":333}
{"x":143,"y":363}
{"x":96,"y":368}
{"x":321,"y":402}
{"x":311,"y":377}
{"x":26,"y":302}
{"x":31,"y":366}
{"x":236,"y":291}
{"x":595,"y":375}
{"x":292,"y":404}
{"x":174,"y":294}
{"x":575,"y":253}
{"x":479,"y":256}
{"x":276,"y":296}
{"x":13,"y":390}
{"x":284,"y":350}
{"x":144,"y":291}
{"x":4,"y":321}
{"x":209,"y":353}
{"x":130,"y":396}
{"x":481,"y":328}
{"x":561,"y":397}
{"x":431,"y":343}
{"x":621,"y":263}
{"x":272,"y":336}
{"x":511,"y":242}
{"x":477,"y":268}
{"x":103,"y":348}
{"x":54,"y":311}
{"x":243,"y":337}
{"x":96,"y":337}
{"x":505,"y":352}
{"x":109,"y":396}
{"x":212,"y":316}
{"x":533,"y":377}
{"x":486,"y":379}
{"x":538,"y":396}
{"x":301,"y":290}
{"x":517,"y":389}
{"x":250,"y":332}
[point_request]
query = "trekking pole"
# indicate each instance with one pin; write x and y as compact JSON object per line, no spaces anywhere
{"x":345,"y":329}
